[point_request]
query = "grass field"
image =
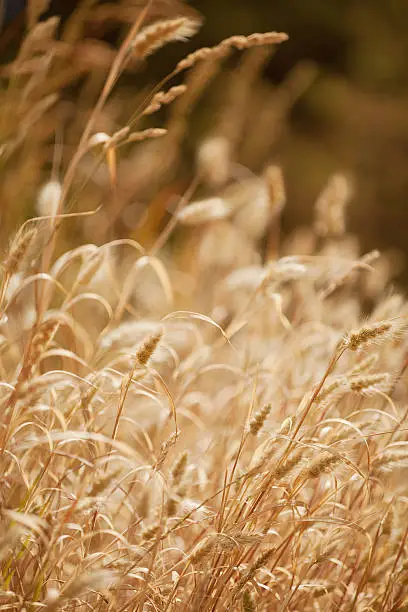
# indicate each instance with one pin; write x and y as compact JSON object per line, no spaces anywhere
{"x":198,"y":412}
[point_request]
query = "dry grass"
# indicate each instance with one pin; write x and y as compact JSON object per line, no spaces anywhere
{"x":215,"y":422}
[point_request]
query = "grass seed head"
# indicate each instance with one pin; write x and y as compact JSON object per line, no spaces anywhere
{"x":19,"y":250}
{"x":153,"y":37}
{"x":147,"y":348}
{"x":369,"y":334}
{"x":163,"y":98}
{"x":258,"y":420}
{"x":321,"y":464}
{"x":179,"y":469}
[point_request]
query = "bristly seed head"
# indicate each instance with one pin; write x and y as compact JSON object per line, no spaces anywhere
{"x":154,"y":36}
{"x":363,"y":384}
{"x":318,"y":466}
{"x":367,"y":335}
{"x":258,"y":420}
{"x":147,"y":348}
{"x":18,"y":250}
{"x":257,"y":564}
{"x":179,"y":469}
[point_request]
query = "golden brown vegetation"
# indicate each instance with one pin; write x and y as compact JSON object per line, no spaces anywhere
{"x":211,"y":422}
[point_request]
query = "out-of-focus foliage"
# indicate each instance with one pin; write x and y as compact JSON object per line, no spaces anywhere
{"x":349,"y":114}
{"x":354,"y":115}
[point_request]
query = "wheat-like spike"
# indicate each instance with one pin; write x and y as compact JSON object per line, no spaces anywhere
{"x":318,"y":466}
{"x":18,"y":251}
{"x":281,"y":471}
{"x":153,"y":37}
{"x":365,"y":383}
{"x":224,"y":47}
{"x":205,"y":53}
{"x":334,"y":385}
{"x":364,"y":365}
{"x":246,"y":539}
{"x":266,"y":38}
{"x":251,"y":571}
{"x":116,"y":138}
{"x":388,"y":522}
{"x":204,"y":548}
{"x":261,"y":560}
{"x":368,"y":334}
{"x":269,"y":448}
{"x":286,"y":426}
{"x":253,"y":40}
{"x":179,"y":469}
{"x":146,"y":134}
{"x":258,"y":420}
{"x":147,"y":348}
{"x":41,"y":341}
{"x":163,"y":98}
{"x":165,"y":448}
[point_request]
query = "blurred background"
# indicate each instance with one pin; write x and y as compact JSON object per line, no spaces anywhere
{"x":332,"y":98}
{"x":353,"y":116}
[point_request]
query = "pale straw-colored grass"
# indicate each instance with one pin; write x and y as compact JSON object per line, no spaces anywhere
{"x":215,"y":418}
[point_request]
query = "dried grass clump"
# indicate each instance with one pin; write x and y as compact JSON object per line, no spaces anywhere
{"x":201,"y":419}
